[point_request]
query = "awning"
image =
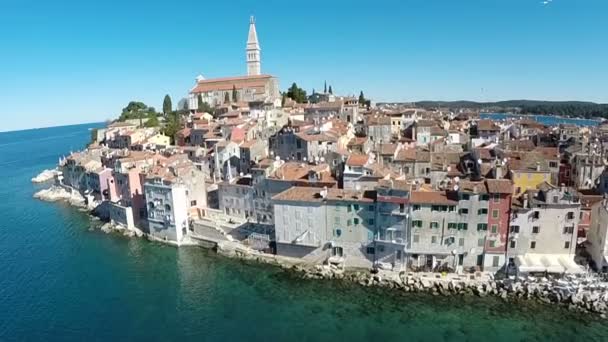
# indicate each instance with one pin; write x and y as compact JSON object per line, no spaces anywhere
{"x":528,"y":263}
{"x":552,"y":264}
{"x":569,"y":264}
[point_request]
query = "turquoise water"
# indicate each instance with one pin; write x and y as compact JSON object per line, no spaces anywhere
{"x":548,"y":120}
{"x":62,"y":281}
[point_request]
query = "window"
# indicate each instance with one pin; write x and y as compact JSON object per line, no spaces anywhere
{"x":452,"y":225}
{"x":337,"y":232}
{"x":461,"y":242}
{"x":167,"y":207}
{"x":567,"y":244}
{"x":463,"y":226}
{"x":492,"y":243}
{"x":495,"y":213}
{"x":570,"y":215}
{"x":496,"y":198}
{"x":348,"y":222}
{"x":465,"y":197}
{"x":433,"y":239}
{"x":356,"y":221}
{"x":370,"y":208}
{"x":401,"y":207}
{"x":481,"y":242}
{"x":512,"y":244}
{"x":495,"y":261}
{"x":494,"y":229}
{"x":535,"y":229}
{"x":416,"y":207}
{"x":536,"y":215}
{"x":349,"y":208}
{"x":482,"y":211}
{"x":552,"y":164}
{"x":370,"y":222}
{"x":514,"y":229}
{"x":434,"y":224}
{"x":484,"y":197}
{"x":482,"y":226}
{"x":435,"y":208}
{"x":417,"y":223}
{"x":451,"y":208}
{"x":532,"y":244}
{"x":356,"y":206}
{"x":416,"y":238}
{"x":464,"y":211}
{"x":371,"y":250}
{"x":569,"y":230}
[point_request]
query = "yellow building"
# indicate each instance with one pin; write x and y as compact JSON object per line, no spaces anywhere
{"x":528,"y":179}
{"x":160,"y":140}
{"x":529,"y":172}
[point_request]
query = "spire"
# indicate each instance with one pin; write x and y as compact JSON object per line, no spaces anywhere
{"x":253,"y":50}
{"x":252,"y":38}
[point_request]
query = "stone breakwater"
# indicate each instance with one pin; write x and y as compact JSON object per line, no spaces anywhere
{"x":577,"y":294}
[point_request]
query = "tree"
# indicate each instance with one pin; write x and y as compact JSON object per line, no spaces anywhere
{"x":172,"y":125}
{"x":330,"y":90}
{"x":205,"y":108}
{"x":361,"y":98}
{"x":226,"y":97}
{"x":200,"y":102}
{"x":297,"y":94}
{"x":152,"y":120}
{"x":234,"y":94}
{"x":136,"y":110}
{"x":167,"y":106}
{"x":325,"y":87}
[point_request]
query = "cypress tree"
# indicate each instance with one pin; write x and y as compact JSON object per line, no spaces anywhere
{"x":167,"y":106}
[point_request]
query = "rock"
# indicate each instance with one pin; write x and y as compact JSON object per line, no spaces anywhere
{"x":46,"y":176}
{"x":58,"y":193}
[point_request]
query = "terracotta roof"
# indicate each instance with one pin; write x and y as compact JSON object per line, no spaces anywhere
{"x":310,"y":194}
{"x":357,"y":141}
{"x":499,"y":186}
{"x":406,"y":154}
{"x":227,"y":83}
{"x":357,"y":160}
{"x":431,"y":197}
{"x":472,"y":187}
{"x":387,"y":149}
{"x":487,"y":125}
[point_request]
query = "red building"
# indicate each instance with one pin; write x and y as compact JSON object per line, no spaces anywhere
{"x":499,"y":208}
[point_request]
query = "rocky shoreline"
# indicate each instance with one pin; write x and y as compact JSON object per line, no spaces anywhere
{"x":58,"y":193}
{"x":46,"y":176}
{"x":577,"y":293}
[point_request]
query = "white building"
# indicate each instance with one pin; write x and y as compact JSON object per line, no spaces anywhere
{"x":597,"y":236}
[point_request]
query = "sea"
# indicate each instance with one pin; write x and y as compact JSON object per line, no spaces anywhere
{"x":549,"y":120}
{"x":61,"y":279}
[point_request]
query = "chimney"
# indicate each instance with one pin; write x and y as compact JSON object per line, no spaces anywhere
{"x":498,"y":171}
{"x":537,"y":166}
{"x":525,"y":200}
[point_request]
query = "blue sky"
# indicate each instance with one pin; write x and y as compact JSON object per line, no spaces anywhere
{"x":70,"y":61}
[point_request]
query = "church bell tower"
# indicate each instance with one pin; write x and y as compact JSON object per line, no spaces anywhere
{"x":253,"y":50}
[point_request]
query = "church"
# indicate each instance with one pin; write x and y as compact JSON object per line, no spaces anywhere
{"x":254,"y":87}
